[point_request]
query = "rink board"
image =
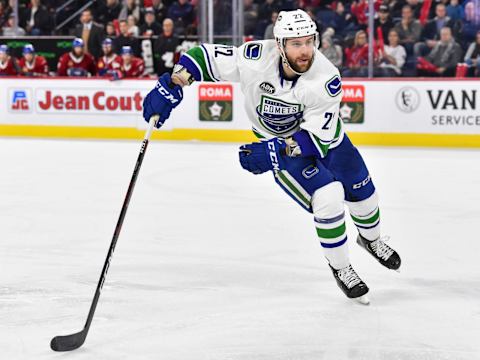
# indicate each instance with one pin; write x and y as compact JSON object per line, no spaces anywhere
{"x":401,"y":112}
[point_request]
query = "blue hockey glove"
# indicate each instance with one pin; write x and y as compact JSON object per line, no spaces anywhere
{"x":162,"y":100}
{"x":263,"y":156}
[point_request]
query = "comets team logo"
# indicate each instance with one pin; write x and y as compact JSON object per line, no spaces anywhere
{"x":352,"y":107}
{"x":278,"y":116}
{"x":216,"y":102}
{"x":19,"y":100}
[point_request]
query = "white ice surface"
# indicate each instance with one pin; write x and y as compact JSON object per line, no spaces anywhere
{"x":216,"y":263}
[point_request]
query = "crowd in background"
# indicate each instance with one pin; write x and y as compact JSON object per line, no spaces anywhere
{"x":412,"y":37}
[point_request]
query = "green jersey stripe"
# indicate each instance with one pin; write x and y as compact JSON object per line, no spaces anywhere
{"x":198,"y":56}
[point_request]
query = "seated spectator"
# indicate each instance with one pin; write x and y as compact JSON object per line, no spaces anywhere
{"x":165,"y":48}
{"x":342,"y":21}
{"x":109,"y":63}
{"x":5,"y":12}
{"x":8,"y":64}
{"x":36,"y":20}
{"x":90,"y":33}
{"x":443,"y":59}
{"x":472,"y":56}
{"x":108,"y":11}
{"x":267,"y":7}
{"x":392,"y":57}
{"x":416,"y":7}
{"x":76,"y":62}
{"x":133,"y":29}
{"x":408,"y":29}
{"x":110,"y":31}
{"x":331,"y":51}
{"x":383,"y":21}
{"x":9,"y":29}
{"x":455,"y":11}
{"x":182,"y":14}
{"x":222,"y":11}
{"x":159,"y":8}
{"x":250,"y":16}
{"x":150,"y":26}
{"x":32,"y":64}
{"x":359,"y":11}
{"x":269,"y":30}
{"x":357,"y":56}
{"x":130,"y":7}
{"x":124,"y":39}
{"x":431,"y":32}
{"x":470,"y":23}
{"x":132,"y":66}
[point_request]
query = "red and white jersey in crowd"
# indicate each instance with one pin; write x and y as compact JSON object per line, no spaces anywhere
{"x":134,"y":69}
{"x":9,"y":67}
{"x":37,"y":67}
{"x":69,"y":64}
{"x":105,"y":64}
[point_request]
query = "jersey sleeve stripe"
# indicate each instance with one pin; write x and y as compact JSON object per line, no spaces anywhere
{"x":192,"y":66}
{"x":197,"y":55}
{"x":210,"y":70}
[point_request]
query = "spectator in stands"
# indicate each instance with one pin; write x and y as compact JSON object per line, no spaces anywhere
{"x":269,"y":30}
{"x":408,"y":29}
{"x":416,"y":7}
{"x":182,"y":14}
{"x":455,"y":11}
{"x":160,"y":10}
{"x":331,"y":51}
{"x":470,"y":23}
{"x":36,"y":19}
{"x":383,"y":21}
{"x":4,"y":13}
{"x":472,"y":56}
{"x":250,"y":16}
{"x":110,"y":31}
{"x":444,"y":57}
{"x":76,"y":62}
{"x":221,"y":13}
{"x":32,"y":64}
{"x":357,"y":56}
{"x":124,"y":39}
{"x":8,"y":64}
{"x":90,"y":33}
{"x":391,"y":58}
{"x":266,"y":8}
{"x":133,"y":29}
{"x":110,"y":63}
{"x":166,"y":47}
{"x":150,"y":26}
{"x":10,"y":30}
{"x":108,"y":11}
{"x":130,"y":8}
{"x":431,"y":32}
{"x":132,"y":67}
{"x":342,"y":21}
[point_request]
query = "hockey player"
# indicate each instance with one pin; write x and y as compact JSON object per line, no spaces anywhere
{"x":32,"y":64}
{"x":132,"y":67}
{"x":110,"y":63}
{"x":292,"y":96}
{"x":8,"y":64}
{"x":76,"y":62}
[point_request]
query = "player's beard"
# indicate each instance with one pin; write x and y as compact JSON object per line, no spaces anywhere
{"x":298,"y":67}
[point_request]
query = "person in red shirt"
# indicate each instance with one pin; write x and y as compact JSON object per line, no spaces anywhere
{"x":76,"y":62}
{"x":357,"y":56}
{"x":8,"y":64}
{"x":131,"y":66}
{"x":32,"y":64}
{"x":110,"y":62}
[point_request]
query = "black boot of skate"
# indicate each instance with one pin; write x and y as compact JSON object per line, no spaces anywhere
{"x":351,"y":284}
{"x":381,"y":251}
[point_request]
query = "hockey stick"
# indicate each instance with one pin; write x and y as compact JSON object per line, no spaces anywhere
{"x":74,"y":341}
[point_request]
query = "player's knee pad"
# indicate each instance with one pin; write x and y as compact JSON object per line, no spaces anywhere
{"x":328,"y":201}
{"x":364,"y":207}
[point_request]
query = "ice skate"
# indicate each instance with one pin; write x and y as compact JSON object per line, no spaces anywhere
{"x":351,"y":284}
{"x":381,"y":251}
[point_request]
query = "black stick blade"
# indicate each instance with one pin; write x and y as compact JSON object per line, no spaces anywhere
{"x":68,"y":342}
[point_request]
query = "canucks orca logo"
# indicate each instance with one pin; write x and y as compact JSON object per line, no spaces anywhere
{"x":277,"y":116}
{"x":334,"y":86}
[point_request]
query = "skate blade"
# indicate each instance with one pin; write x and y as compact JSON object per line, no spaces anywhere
{"x":364,"y":300}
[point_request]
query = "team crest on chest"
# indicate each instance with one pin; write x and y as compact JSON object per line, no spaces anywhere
{"x":278,"y":116}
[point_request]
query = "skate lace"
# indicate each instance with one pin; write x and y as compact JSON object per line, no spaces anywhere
{"x":349,"y":277}
{"x":381,"y":249}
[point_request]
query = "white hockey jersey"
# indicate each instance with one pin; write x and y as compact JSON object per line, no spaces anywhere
{"x":275,"y":105}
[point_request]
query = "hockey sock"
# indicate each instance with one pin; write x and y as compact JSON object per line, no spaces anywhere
{"x":366,"y":216}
